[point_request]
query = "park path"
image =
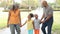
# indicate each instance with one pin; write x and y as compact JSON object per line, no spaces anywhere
{"x":23,"y":31}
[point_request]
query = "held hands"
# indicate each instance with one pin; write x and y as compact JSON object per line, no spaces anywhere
{"x":42,"y":21}
{"x":20,"y":25}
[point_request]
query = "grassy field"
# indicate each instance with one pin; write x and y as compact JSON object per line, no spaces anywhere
{"x":56,"y":24}
{"x":55,"y":28}
{"x":3,"y":19}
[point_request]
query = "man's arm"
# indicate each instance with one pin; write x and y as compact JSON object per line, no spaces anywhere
{"x":50,"y":14}
{"x":48,"y":17}
{"x":42,"y":16}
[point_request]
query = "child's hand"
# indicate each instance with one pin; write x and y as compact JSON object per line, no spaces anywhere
{"x":21,"y":25}
{"x":42,"y":21}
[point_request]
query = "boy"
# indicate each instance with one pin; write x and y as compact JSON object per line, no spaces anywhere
{"x":36,"y":24}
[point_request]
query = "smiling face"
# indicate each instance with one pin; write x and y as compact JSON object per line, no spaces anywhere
{"x":30,"y":16}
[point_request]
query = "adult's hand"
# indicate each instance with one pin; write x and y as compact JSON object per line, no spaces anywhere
{"x":7,"y":25}
{"x":43,"y":21}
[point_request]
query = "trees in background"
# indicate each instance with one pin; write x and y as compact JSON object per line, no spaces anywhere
{"x":30,"y":3}
{"x":58,"y":2}
{"x":25,"y":3}
{"x":56,"y":5}
{"x":33,"y":3}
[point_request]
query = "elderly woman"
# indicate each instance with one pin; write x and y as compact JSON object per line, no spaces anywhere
{"x":14,"y":19}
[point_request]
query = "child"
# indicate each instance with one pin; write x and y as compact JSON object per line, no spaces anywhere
{"x":36,"y":24}
{"x":29,"y":24}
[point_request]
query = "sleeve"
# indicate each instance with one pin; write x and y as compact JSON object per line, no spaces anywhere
{"x":43,"y":10}
{"x":50,"y":11}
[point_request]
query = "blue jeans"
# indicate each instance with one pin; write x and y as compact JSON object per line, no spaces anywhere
{"x":14,"y":27}
{"x":49,"y":24}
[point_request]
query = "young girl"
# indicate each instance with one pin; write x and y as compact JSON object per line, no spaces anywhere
{"x":36,"y":25}
{"x":29,"y":24}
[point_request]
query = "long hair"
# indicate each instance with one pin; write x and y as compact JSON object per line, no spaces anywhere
{"x":15,"y":6}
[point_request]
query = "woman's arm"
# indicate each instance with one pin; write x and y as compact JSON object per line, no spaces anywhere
{"x":8,"y":19}
{"x":20,"y":18}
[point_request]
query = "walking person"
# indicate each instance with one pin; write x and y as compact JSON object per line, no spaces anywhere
{"x":14,"y":19}
{"x":48,"y":18}
{"x":29,"y":24}
{"x":36,"y":25}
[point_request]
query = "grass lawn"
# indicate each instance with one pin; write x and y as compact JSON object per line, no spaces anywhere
{"x":3,"y":19}
{"x":56,"y":24}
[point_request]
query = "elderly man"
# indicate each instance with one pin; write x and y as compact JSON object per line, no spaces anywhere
{"x":47,"y":16}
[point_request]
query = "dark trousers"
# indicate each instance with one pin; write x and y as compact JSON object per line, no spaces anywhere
{"x":49,"y":24}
